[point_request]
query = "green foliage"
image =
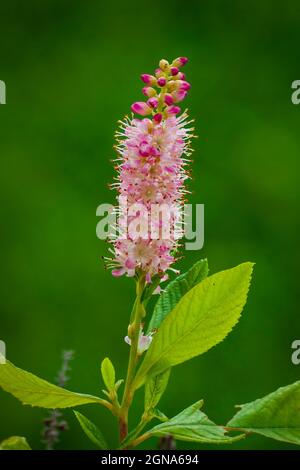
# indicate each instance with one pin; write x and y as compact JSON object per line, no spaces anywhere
{"x":154,"y":389}
{"x":156,"y":413}
{"x":193,"y":425}
{"x":15,"y":443}
{"x":91,"y":430}
{"x":175,"y":290}
{"x":31,"y":390}
{"x":108,"y":374}
{"x":276,"y":415}
{"x":202,"y":318}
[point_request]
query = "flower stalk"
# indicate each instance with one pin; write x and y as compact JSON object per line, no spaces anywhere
{"x":133,"y":333}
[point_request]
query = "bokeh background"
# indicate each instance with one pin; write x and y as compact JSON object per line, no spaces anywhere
{"x":72,"y":70}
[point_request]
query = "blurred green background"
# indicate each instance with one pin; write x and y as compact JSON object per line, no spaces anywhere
{"x":72,"y":70}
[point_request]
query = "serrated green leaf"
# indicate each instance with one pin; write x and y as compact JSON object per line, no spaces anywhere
{"x":193,"y":425}
{"x":276,"y":415}
{"x":154,"y":388}
{"x":108,"y":373}
{"x":91,"y":430}
{"x":31,"y":390}
{"x":15,"y":443}
{"x":175,"y":290}
{"x":201,"y":319}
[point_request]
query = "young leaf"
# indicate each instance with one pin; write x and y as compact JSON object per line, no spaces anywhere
{"x":15,"y":443}
{"x":91,"y":430}
{"x":193,"y":425}
{"x":118,"y":384}
{"x":175,"y":290}
{"x":156,"y":413}
{"x":154,"y":388}
{"x":108,"y":374}
{"x":201,"y":319}
{"x":31,"y":390}
{"x":276,"y":415}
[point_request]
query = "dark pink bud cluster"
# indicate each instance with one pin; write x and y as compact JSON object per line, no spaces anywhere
{"x":164,"y":89}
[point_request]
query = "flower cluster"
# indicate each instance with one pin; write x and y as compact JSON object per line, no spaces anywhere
{"x":151,"y":170}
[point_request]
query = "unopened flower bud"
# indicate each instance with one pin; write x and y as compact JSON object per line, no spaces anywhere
{"x":183,"y":85}
{"x":172,"y":84}
{"x":130,"y":330}
{"x":141,"y":108}
{"x":163,"y":64}
{"x":179,"y":95}
{"x":153,"y":102}
{"x":173,"y":110}
{"x":181,"y":76}
{"x":174,"y":70}
{"x":148,"y":79}
{"x":168,"y":99}
{"x":161,"y":81}
{"x":149,"y":91}
{"x":157,"y":118}
{"x":159,"y":73}
{"x":180,"y":62}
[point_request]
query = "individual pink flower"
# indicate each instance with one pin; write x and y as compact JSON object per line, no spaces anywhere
{"x":144,"y":341}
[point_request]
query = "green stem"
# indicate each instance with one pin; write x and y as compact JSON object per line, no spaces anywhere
{"x":134,"y":434}
{"x":133,"y":333}
{"x":140,"y":439}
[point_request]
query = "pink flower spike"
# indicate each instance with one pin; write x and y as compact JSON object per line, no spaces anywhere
{"x":148,"y":79}
{"x":157,"y":118}
{"x":148,"y":91}
{"x":153,"y":102}
{"x":141,"y":108}
{"x":174,"y":70}
{"x":169,"y":99}
{"x":161,"y":82}
{"x":173,"y":110}
{"x":151,"y":169}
